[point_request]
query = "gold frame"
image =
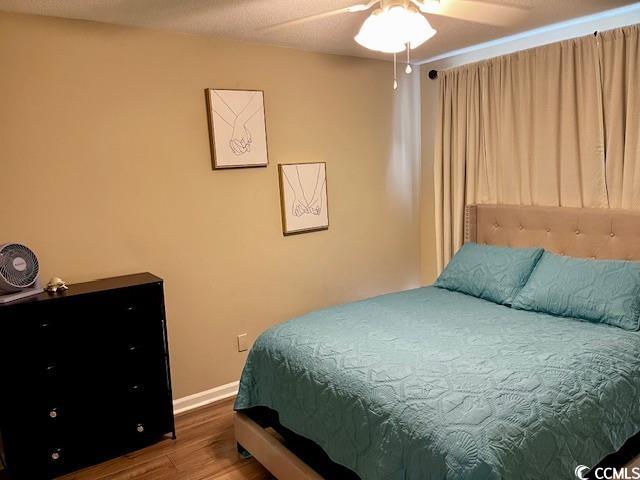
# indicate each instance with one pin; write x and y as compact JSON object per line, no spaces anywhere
{"x":282,"y":206}
{"x":212,"y":143}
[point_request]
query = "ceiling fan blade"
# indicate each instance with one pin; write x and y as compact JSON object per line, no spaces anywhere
{"x":360,"y":7}
{"x":476,"y":11}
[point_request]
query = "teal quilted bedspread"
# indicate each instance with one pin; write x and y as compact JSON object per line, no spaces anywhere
{"x":433,"y":384}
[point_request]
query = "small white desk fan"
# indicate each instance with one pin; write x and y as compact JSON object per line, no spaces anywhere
{"x":18,"y":272}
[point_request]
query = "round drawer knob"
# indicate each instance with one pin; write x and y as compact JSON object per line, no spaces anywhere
{"x":140,"y":428}
{"x":53,"y":413}
{"x":55,"y":455}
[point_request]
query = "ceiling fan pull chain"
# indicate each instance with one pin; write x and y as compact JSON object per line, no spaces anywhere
{"x":395,"y":72}
{"x":408,"y":69}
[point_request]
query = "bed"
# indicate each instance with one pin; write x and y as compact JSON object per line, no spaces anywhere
{"x":432,"y":384}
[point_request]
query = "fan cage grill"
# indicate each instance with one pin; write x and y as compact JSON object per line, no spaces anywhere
{"x":9,"y":274}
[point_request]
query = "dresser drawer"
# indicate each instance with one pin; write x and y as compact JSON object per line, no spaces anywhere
{"x":140,"y":425}
{"x":31,"y":455}
{"x":53,"y":458}
{"x":40,"y":338}
{"x":135,"y":305}
{"x":132,"y":322}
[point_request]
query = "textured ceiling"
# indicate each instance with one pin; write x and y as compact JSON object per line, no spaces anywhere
{"x":247,"y":19}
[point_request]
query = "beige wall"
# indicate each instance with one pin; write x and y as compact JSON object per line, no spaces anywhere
{"x":106,"y":171}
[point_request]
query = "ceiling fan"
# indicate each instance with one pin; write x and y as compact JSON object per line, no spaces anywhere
{"x":397,"y":25}
{"x":477,"y":11}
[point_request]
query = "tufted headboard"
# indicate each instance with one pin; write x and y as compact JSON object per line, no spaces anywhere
{"x":577,"y":232}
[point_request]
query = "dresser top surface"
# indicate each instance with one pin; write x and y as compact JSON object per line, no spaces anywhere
{"x":94,"y":286}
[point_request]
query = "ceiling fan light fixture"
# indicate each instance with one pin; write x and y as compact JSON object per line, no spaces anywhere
{"x":374,"y":34}
{"x":418,"y":29}
{"x":390,"y":30}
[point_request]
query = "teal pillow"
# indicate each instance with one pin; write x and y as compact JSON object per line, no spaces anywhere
{"x":604,"y":291}
{"x":490,"y":272}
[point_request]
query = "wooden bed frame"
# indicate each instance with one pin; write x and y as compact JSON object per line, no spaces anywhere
{"x":270,"y":451}
{"x":577,"y":232}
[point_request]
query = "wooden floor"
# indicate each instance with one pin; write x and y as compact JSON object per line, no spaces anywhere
{"x":205,"y":448}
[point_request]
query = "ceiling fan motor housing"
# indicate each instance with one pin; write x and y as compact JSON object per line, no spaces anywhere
{"x":19,"y":268}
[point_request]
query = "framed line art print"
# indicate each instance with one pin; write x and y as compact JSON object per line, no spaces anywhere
{"x":237,"y":128}
{"x":303,"y":197}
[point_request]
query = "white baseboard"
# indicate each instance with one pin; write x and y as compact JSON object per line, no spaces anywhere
{"x":201,"y":399}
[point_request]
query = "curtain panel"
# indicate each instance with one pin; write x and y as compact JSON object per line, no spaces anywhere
{"x":557,"y":125}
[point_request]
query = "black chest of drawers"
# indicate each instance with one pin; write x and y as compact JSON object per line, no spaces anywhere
{"x":84,"y":375}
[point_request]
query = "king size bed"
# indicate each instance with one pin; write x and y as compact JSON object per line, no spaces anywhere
{"x":507,"y":368}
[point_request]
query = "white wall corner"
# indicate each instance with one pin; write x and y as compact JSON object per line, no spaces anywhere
{"x":200,"y":399}
{"x":577,"y":27}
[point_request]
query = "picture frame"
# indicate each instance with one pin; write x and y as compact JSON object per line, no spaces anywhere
{"x":237,"y":128}
{"x":304,"y":201}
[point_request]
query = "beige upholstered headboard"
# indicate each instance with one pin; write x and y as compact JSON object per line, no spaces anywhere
{"x":577,"y":232}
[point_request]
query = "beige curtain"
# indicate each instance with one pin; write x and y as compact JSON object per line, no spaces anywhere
{"x":538,"y":128}
{"x":620,"y":56}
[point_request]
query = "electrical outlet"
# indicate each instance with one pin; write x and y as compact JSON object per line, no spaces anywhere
{"x":243,"y":342}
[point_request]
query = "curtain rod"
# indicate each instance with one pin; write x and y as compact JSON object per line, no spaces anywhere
{"x":433,"y":74}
